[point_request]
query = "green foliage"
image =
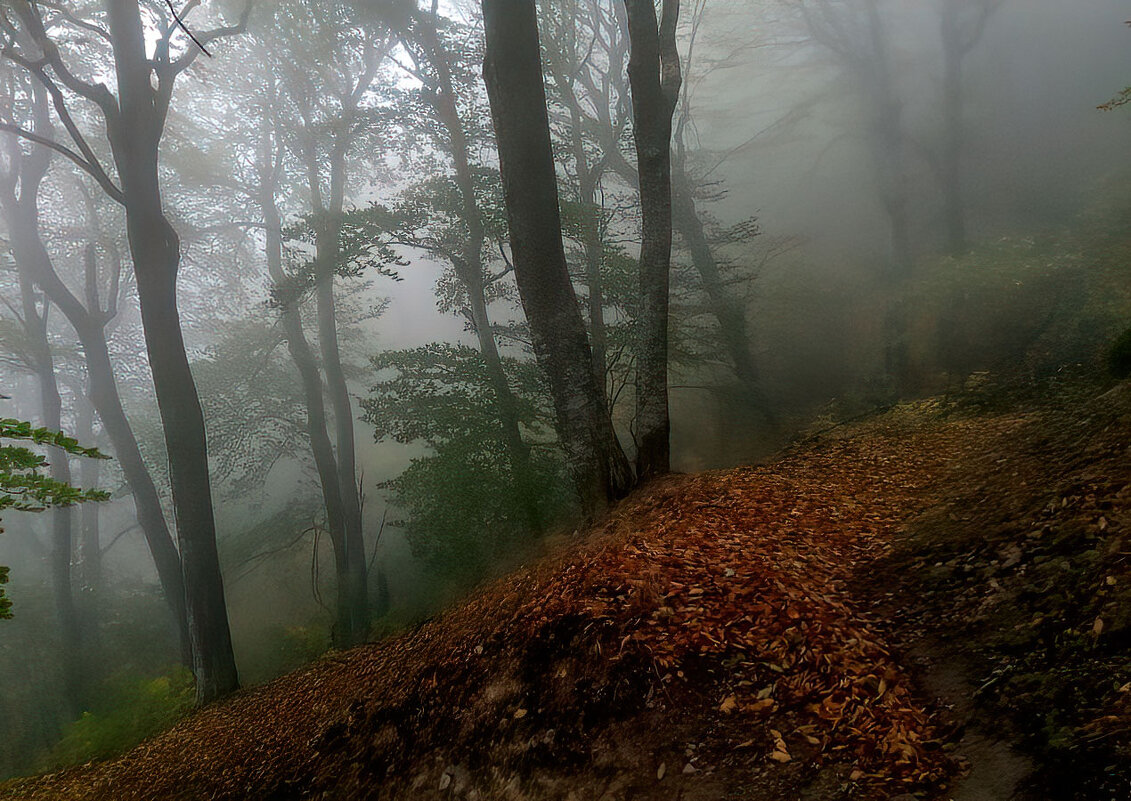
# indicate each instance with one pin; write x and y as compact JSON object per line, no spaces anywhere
{"x":1119,"y":356}
{"x":25,"y":487}
{"x":129,"y":709}
{"x":464,"y":512}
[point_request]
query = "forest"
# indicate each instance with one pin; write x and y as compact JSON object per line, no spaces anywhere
{"x":579,"y":399}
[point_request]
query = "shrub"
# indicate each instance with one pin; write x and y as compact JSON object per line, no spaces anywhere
{"x":129,"y":710}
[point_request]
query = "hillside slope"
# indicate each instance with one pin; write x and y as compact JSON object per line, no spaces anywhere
{"x":738,"y":634}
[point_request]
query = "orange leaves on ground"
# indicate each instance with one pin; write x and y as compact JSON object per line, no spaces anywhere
{"x":749,"y":567}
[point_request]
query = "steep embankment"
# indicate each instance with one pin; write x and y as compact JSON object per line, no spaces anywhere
{"x":722,"y":635}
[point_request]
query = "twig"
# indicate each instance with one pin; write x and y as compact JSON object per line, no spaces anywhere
{"x":183,"y":27}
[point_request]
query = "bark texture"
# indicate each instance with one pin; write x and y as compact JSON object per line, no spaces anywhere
{"x":513,"y":74}
{"x":135,"y":128}
{"x":654,"y":78}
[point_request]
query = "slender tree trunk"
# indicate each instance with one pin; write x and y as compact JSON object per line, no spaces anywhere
{"x":107,"y":402}
{"x":90,"y":471}
{"x":89,"y":546}
{"x":513,"y":74}
{"x":470,"y":271}
{"x":654,"y":78}
{"x":135,"y":136}
{"x":353,"y":568}
{"x":725,"y":307}
{"x":320,"y":445}
{"x":951,"y":162}
{"x":62,"y":518}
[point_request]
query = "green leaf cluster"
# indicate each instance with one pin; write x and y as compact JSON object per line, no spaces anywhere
{"x":464,"y":512}
{"x":25,"y":487}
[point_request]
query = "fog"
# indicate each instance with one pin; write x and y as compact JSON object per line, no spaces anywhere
{"x":320,"y":273}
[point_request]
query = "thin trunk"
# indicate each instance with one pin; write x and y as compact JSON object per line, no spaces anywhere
{"x":588,"y":183}
{"x":321,"y":448}
{"x":951,"y":163}
{"x":888,"y":145}
{"x":654,"y":78}
{"x":135,"y":135}
{"x":513,"y":74}
{"x":62,"y":518}
{"x":470,"y":271}
{"x":725,"y":307}
{"x":89,"y":547}
{"x":327,"y":238}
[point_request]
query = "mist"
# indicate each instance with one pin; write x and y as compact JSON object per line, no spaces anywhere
{"x":349,"y":346}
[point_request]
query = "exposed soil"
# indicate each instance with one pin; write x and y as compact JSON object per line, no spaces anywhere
{"x":933,"y":604}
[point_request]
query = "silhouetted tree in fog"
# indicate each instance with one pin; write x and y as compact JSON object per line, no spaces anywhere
{"x":855,"y":32}
{"x":961,"y":25}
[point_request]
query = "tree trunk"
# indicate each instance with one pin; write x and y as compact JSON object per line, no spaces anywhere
{"x":156,"y":253}
{"x":954,"y":208}
{"x":147,"y":501}
{"x":654,"y":79}
{"x":320,"y":446}
{"x":135,"y":136}
{"x":62,"y":518}
{"x":726,"y":309}
{"x":90,"y":546}
{"x":469,"y":270}
{"x":513,"y":74}
{"x":355,"y":568}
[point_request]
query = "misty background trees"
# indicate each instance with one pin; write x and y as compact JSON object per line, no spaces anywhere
{"x":365,"y":298}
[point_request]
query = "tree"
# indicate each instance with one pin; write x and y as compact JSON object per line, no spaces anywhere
{"x":856,"y":35}
{"x":513,"y":74}
{"x":133,"y":121}
{"x":654,"y":74}
{"x":961,"y":26}
{"x":90,"y":318}
{"x":322,"y":114}
{"x":458,"y":232}
{"x":463,"y":512}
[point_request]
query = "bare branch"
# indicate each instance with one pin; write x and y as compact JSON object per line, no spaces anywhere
{"x":92,"y":170}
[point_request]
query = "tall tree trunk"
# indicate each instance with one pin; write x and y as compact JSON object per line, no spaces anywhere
{"x":62,"y":518}
{"x":328,"y":213}
{"x":135,"y":136}
{"x":321,"y":448}
{"x":469,"y":269}
{"x":156,"y":254}
{"x":90,"y":546}
{"x":954,"y":51}
{"x":513,"y":74}
{"x":107,"y":402}
{"x":588,"y":186}
{"x":654,"y":79}
{"x":888,"y":144}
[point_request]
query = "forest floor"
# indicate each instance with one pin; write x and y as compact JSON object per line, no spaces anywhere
{"x":935,"y":604}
